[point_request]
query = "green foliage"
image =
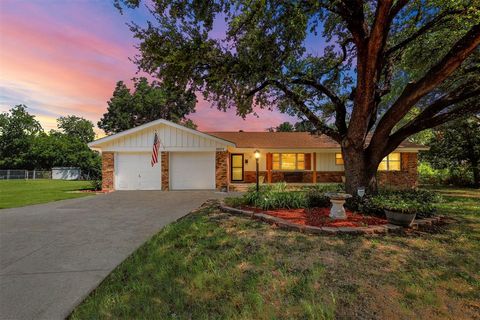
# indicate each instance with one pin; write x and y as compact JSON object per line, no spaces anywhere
{"x":456,"y":145}
{"x":77,"y":127}
{"x":18,"y":130}
{"x":285,"y":127}
{"x":96,"y":184}
{"x":275,"y":196}
{"x":317,"y":199}
{"x":24,"y":145}
{"x":148,"y":102}
{"x":409,"y":200}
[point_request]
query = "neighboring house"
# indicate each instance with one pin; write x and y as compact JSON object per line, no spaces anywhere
{"x":190,"y":159}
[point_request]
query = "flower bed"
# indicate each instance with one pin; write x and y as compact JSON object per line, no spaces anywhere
{"x":319,"y":217}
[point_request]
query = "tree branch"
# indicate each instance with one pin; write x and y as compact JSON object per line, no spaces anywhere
{"x":340,"y":108}
{"x":403,"y":133}
{"x":424,"y":29}
{"x":321,"y":127}
{"x":414,"y":91}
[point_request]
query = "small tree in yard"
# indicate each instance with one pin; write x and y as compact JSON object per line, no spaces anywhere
{"x":380,"y":60}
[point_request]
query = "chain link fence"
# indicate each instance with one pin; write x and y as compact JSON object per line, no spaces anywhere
{"x":25,"y":174}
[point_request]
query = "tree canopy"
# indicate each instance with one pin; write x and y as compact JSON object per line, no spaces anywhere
{"x":146,"y":103}
{"x":375,"y":62}
{"x":24,"y":144}
{"x":77,"y":127}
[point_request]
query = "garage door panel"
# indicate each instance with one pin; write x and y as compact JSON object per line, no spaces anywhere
{"x":192,"y":170}
{"x":133,"y":171}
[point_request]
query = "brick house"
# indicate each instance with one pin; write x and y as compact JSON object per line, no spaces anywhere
{"x":194,"y":160}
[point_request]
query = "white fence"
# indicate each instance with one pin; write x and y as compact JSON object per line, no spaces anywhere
{"x":25,"y":174}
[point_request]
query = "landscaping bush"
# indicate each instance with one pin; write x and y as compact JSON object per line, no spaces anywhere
{"x":317,"y":199}
{"x":275,"y":196}
{"x":374,"y":205}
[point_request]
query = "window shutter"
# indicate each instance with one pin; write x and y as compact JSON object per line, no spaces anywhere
{"x":269,"y":161}
{"x":308,"y":161}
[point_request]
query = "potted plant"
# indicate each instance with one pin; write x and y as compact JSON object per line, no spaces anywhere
{"x":399,"y":211}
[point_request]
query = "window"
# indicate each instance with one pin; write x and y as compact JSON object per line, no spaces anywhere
{"x":391,"y":162}
{"x":338,"y":159}
{"x":288,"y":161}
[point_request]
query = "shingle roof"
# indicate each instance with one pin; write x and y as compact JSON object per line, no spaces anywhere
{"x":299,"y":140}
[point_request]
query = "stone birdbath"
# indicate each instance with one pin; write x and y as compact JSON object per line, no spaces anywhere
{"x":337,"y":212}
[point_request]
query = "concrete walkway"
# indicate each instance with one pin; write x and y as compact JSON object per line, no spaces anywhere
{"x":53,"y":255}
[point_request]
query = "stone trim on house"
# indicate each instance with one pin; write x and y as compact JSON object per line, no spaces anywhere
{"x":108,"y":169}
{"x":221,"y":170}
{"x":165,"y":168}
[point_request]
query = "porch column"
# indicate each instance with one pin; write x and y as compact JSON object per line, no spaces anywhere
{"x":269,"y":167}
{"x":314,"y":159}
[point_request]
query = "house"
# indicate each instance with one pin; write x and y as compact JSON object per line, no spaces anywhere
{"x":194,"y":160}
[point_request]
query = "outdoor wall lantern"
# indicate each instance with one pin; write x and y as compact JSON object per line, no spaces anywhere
{"x":257,"y":156}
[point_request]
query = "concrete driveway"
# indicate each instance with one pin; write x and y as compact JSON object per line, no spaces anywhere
{"x":53,"y":255}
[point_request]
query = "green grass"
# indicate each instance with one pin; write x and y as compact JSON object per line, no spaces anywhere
{"x":213,"y":265}
{"x":19,"y":193}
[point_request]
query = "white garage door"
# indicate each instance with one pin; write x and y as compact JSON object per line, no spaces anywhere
{"x":192,"y":170}
{"x":133,"y":171}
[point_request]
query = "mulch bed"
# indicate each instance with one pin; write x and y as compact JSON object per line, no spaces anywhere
{"x":319,"y":217}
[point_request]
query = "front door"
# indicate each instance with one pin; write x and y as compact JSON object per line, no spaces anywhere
{"x":237,"y":167}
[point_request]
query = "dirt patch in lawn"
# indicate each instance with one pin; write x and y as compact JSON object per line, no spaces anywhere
{"x":319,"y":217}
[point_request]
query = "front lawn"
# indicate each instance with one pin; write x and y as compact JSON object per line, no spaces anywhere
{"x":19,"y":193}
{"x":213,"y":265}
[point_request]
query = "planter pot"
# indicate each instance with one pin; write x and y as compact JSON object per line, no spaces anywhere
{"x":399,"y":218}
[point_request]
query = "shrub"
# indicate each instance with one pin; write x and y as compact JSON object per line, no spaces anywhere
{"x":96,"y":185}
{"x":407,"y":200}
{"x":317,"y":199}
{"x":275,"y":196}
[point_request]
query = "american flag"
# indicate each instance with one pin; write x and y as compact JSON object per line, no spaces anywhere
{"x":156,"y":145}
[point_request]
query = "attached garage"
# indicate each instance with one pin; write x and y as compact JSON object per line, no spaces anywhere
{"x":187,"y":159}
{"x":133,"y":171}
{"x":192,"y":170}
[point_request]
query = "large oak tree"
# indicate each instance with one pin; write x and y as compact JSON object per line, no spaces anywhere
{"x":376,"y":62}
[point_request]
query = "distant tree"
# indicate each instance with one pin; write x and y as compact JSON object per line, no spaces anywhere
{"x":148,"y":102}
{"x":301,"y":126}
{"x":456,"y":144}
{"x":18,"y":130}
{"x":304,"y":126}
{"x":59,"y":149}
{"x":285,"y":127}
{"x":77,"y":127}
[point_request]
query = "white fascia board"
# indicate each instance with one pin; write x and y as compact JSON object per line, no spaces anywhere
{"x":98,"y":142}
{"x":168,"y":149}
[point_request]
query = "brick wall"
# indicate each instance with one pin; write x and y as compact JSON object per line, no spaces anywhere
{"x":221,"y":170}
{"x":108,"y":167}
{"x":279,"y":176}
{"x":165,"y":170}
{"x":407,"y":177}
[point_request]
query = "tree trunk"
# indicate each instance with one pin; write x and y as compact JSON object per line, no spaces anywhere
{"x":360,"y":171}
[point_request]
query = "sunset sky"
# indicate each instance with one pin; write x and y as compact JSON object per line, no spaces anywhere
{"x":63,"y":57}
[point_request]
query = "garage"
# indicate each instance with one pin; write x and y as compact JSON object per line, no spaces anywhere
{"x":192,"y":170}
{"x":187,"y":159}
{"x":133,"y":171}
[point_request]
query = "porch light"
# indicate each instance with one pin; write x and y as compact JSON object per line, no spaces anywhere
{"x":257,"y":156}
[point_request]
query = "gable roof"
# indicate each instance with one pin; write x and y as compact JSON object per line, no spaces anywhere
{"x":112,"y":137}
{"x":292,"y":140}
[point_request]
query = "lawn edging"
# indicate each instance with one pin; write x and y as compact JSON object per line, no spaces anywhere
{"x":370,"y":230}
